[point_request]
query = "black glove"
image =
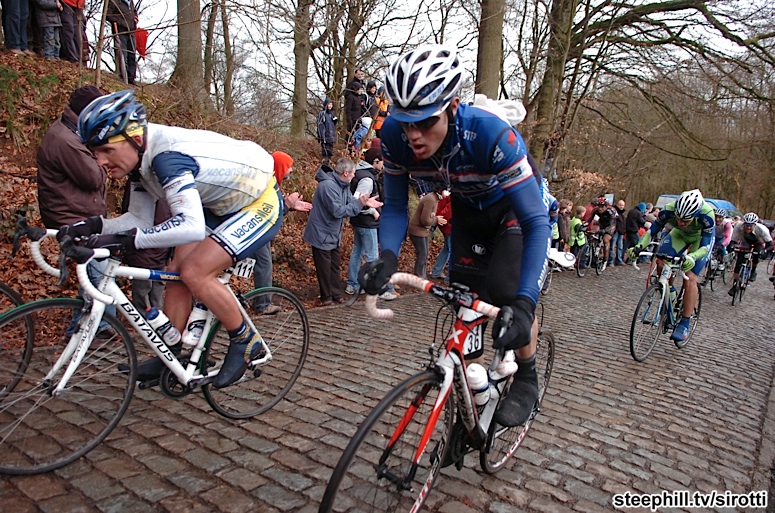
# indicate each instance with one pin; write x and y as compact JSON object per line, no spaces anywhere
{"x":517,"y":320}
{"x":373,"y":276}
{"x":125,"y":239}
{"x":81,"y":228}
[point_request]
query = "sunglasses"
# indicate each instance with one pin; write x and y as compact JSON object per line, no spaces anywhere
{"x":423,"y":125}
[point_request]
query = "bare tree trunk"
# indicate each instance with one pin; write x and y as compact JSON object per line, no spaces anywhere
{"x":489,"y":59}
{"x":188,"y":76}
{"x":560,"y":20}
{"x":302,"y":48}
{"x":228,"y":101}
{"x":209,"y":59}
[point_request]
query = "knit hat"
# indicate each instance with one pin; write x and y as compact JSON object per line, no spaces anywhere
{"x":82,"y":97}
{"x":372,"y":154}
{"x":642,"y":206}
{"x":282,"y":163}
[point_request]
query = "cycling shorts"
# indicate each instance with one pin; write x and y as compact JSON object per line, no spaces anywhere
{"x":242,"y":233}
{"x":676,"y":243}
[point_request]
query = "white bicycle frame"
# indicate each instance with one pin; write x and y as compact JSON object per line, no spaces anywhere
{"x":668,"y":271}
{"x":108,"y":292}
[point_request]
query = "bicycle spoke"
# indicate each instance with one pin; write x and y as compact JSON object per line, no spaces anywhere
{"x":647,"y":323}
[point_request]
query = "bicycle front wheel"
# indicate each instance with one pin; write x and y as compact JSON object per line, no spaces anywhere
{"x":380,"y":470}
{"x":40,"y":431}
{"x":15,"y":351}
{"x":599,"y":260}
{"x":647,"y":323}
{"x":503,"y":442}
{"x":583,"y":260}
{"x":282,"y":322}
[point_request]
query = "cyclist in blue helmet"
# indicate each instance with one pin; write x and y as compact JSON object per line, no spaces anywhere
{"x":501,"y":233}
{"x":225,"y":204}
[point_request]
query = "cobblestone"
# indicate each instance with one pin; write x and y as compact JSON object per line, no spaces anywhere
{"x":698,"y":418}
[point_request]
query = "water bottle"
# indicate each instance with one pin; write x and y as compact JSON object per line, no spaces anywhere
{"x":506,"y":367}
{"x":480,"y":385}
{"x":196,"y":324}
{"x":164,"y":328}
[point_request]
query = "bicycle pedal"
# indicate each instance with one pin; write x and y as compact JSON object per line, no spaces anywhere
{"x":149,"y":383}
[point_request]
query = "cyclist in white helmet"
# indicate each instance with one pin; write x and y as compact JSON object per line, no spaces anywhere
{"x":693,"y":235}
{"x":225,"y":204}
{"x":749,"y":235}
{"x":501,"y":233}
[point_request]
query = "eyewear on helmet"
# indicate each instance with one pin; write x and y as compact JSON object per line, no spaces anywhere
{"x":423,"y":125}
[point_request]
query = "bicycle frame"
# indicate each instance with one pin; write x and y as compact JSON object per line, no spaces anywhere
{"x":451,"y":369}
{"x":670,"y":269}
{"x":108,"y":292}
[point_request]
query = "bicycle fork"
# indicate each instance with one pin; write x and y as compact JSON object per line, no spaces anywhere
{"x":404,"y":483}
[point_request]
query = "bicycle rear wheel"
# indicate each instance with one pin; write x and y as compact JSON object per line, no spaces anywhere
{"x":503,"y":442}
{"x":40,"y":432}
{"x":583,"y":260}
{"x":647,"y":323}
{"x":15,"y":351}
{"x":377,"y":472}
{"x":286,"y":332}
{"x":680,"y":344}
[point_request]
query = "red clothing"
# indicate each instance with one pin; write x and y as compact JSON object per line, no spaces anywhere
{"x":444,"y":209}
{"x":78,"y":4}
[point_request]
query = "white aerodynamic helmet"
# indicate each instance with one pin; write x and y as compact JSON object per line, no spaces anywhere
{"x":688,"y":204}
{"x":423,"y":82}
{"x":750,"y":218}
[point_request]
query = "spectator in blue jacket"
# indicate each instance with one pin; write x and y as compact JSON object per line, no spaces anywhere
{"x":332,"y":203}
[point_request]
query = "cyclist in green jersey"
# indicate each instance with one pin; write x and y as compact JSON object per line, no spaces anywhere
{"x":693,"y":233}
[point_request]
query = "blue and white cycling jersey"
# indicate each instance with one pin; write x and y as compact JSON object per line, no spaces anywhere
{"x":484,"y":160}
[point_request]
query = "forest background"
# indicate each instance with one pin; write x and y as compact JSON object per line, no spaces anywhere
{"x":632,"y":98}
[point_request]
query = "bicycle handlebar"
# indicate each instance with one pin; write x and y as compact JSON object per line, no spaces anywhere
{"x":451,"y":295}
{"x":82,"y":257}
{"x":675,"y":260}
{"x":36,"y":236}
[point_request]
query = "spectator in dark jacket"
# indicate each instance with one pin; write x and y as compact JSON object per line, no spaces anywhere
{"x":71,"y":186}
{"x":618,"y":246}
{"x":636,"y":219}
{"x":72,"y":30}
{"x":372,"y":106}
{"x":122,"y":17}
{"x":353,"y":102}
{"x":47,"y":17}
{"x":327,"y":130}
{"x":331,"y":205}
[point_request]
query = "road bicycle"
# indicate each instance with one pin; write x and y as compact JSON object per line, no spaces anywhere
{"x":431,"y":420}
{"x":15,"y":356}
{"x":744,"y":276}
{"x":591,"y":255}
{"x":557,"y":262}
{"x":78,"y":382}
{"x":659,"y":310}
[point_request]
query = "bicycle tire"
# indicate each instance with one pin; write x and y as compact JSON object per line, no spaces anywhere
{"x":583,"y":260}
{"x":599,"y":259}
{"x":367,"y":474}
{"x":17,"y":351}
{"x":680,"y":344}
{"x":287,"y":334}
{"x":503,"y":442}
{"x":40,"y":432}
{"x":547,"y":281}
{"x":648,"y":315}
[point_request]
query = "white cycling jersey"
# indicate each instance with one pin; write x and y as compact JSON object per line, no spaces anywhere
{"x":759,"y":234}
{"x":195,"y":170}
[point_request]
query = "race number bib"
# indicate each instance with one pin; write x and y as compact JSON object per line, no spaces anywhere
{"x":474,"y":339}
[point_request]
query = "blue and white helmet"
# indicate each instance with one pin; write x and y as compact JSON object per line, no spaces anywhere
{"x":720,"y":212}
{"x":688,"y":204}
{"x":423,"y":82}
{"x":750,"y":218}
{"x":111,"y":116}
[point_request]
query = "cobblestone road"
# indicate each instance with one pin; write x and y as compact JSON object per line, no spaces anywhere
{"x":694,"y":419}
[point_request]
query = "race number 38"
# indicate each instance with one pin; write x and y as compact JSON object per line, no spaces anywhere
{"x":474,"y":339}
